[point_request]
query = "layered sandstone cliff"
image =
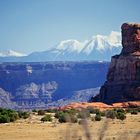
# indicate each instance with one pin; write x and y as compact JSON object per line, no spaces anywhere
{"x":123,"y":78}
{"x":46,"y":84}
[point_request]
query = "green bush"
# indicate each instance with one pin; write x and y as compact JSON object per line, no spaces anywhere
{"x":8,"y":115}
{"x":83,"y":114}
{"x":102,"y":113}
{"x":98,"y":117}
{"x":120,"y":110}
{"x":23,"y":115}
{"x":70,"y":111}
{"x":4,"y":111}
{"x":41,"y":112}
{"x":110,"y":114}
{"x":64,"y":117}
{"x":34,"y":110}
{"x":13,"y":116}
{"x":51,"y":110}
{"x":73,"y":119}
{"x":93,"y":110}
{"x":134,"y":112}
{"x":4,"y":119}
{"x":120,"y":116}
{"x":58,"y":114}
{"x":46,"y":118}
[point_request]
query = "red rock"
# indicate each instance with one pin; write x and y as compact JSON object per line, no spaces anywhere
{"x":123,"y":78}
{"x":130,"y":38}
{"x":100,"y":105}
{"x":126,"y":104}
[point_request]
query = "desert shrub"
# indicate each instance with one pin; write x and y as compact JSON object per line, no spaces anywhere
{"x":47,"y":117}
{"x":134,"y":112}
{"x":23,"y":115}
{"x":73,"y":119}
{"x":58,"y":114}
{"x":4,"y":111}
{"x":128,"y":110}
{"x":102,"y":113}
{"x":120,"y":116}
{"x":98,"y":117}
{"x":120,"y":110}
{"x":51,"y":110}
{"x":26,"y":115}
{"x":63,"y":117}
{"x":110,"y":114}
{"x":4,"y":119}
{"x":83,"y":113}
{"x":66,"y":117}
{"x":34,"y":110}
{"x":93,"y":110}
{"x":20,"y":114}
{"x":1,"y":109}
{"x":13,"y":116}
{"x":70,"y":111}
{"x":8,"y":115}
{"x":41,"y":112}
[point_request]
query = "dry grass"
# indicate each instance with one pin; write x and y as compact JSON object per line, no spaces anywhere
{"x":106,"y":129}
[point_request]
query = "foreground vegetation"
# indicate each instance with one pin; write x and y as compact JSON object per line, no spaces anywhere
{"x":89,"y":124}
{"x":8,"y":115}
{"x":82,"y":124}
{"x":71,"y":115}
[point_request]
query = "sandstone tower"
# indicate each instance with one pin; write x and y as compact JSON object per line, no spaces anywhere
{"x":123,"y":78}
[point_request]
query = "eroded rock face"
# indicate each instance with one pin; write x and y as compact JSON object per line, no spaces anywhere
{"x":123,"y":78}
{"x":101,"y":105}
{"x":40,"y":85}
{"x":5,"y":100}
{"x":32,"y":95}
{"x":130,"y":38}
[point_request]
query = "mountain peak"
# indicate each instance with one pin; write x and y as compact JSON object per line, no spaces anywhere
{"x":70,"y":45}
{"x":11,"y":53}
{"x":99,"y":47}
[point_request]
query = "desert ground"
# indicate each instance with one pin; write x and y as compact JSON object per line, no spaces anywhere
{"x":106,"y":129}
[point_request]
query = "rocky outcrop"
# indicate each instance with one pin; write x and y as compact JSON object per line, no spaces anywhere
{"x":34,"y":95}
{"x":123,"y":78}
{"x":5,"y":99}
{"x":85,"y":105}
{"x":131,"y":38}
{"x":101,"y":105}
{"x":77,"y":96}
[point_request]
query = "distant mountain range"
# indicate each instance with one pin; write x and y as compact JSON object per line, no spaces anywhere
{"x":11,"y":53}
{"x":97,"y":48}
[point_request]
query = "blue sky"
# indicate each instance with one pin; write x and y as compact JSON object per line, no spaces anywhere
{"x":36,"y":25}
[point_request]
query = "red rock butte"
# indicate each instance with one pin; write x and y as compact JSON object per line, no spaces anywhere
{"x":123,"y":77}
{"x":130,"y":38}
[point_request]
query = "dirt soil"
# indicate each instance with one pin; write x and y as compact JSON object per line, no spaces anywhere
{"x":106,"y":129}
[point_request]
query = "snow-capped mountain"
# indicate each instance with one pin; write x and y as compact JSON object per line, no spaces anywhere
{"x":11,"y":53}
{"x":99,"y":42}
{"x":99,"y":48}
